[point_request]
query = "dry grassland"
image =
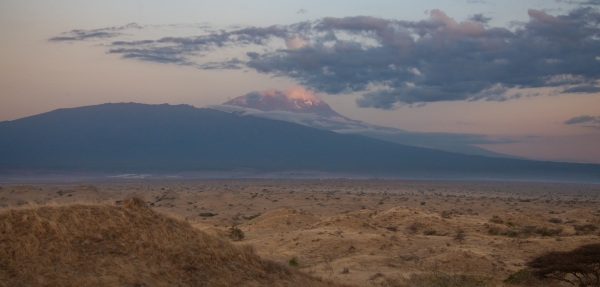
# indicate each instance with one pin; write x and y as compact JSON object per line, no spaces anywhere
{"x":358,"y":232}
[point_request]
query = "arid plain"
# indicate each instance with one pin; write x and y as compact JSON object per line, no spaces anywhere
{"x":361,"y":232}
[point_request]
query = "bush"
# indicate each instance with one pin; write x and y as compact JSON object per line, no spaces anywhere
{"x":460,"y":235}
{"x":496,"y":219}
{"x":585,"y":229}
{"x":413,"y":227}
{"x":430,"y":232}
{"x":438,"y":278}
{"x":494,"y":230}
{"x":555,"y":220}
{"x":544,"y":231}
{"x":447,"y":214}
{"x":511,"y":233}
{"x":293,"y":262}
{"x":525,"y":277}
{"x":252,"y":216}
{"x":528,"y":230}
{"x":579,"y":267}
{"x":236,"y":234}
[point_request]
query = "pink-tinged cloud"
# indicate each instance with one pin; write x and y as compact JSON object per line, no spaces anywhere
{"x":293,"y":99}
{"x":295,"y":42}
{"x":292,"y":92}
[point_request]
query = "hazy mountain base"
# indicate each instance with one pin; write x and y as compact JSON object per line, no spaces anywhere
{"x":367,"y":232}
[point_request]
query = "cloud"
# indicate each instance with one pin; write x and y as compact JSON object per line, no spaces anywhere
{"x":233,"y":64}
{"x":292,"y":92}
{"x":582,"y":119}
{"x":396,"y":62}
{"x":582,"y":89}
{"x":480,"y":18}
{"x":581,"y":3}
{"x":80,"y":35}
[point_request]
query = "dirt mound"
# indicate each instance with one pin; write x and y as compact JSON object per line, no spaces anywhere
{"x":126,"y":245}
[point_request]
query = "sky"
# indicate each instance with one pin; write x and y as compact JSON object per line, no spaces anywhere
{"x":522,"y":73}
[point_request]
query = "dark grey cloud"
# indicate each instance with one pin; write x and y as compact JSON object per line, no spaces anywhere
{"x":396,"y":62}
{"x":580,"y":2}
{"x":480,"y":18}
{"x":582,"y":89}
{"x":233,"y":64}
{"x":79,"y":35}
{"x":582,"y":119}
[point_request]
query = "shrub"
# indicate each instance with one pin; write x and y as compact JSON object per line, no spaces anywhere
{"x":511,"y":224}
{"x":236,"y":234}
{"x":208,"y":214}
{"x":511,"y":233}
{"x":447,"y":214}
{"x":555,"y":220}
{"x":438,"y":278}
{"x":253,"y":216}
{"x":293,"y":262}
{"x":579,"y":267}
{"x":522,"y":277}
{"x":528,"y":230}
{"x":460,"y":235}
{"x":430,"y":232}
{"x":585,"y":229}
{"x":544,"y":231}
{"x":413,"y":227}
{"x":494,"y":230}
{"x":496,"y":219}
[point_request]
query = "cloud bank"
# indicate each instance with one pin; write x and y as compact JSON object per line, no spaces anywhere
{"x":589,"y":121}
{"x":396,"y":62}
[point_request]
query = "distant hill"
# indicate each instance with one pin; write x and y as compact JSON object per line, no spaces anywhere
{"x":129,"y":137}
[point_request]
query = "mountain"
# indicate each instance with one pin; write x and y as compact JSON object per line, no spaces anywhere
{"x":129,"y":137}
{"x":303,"y":107}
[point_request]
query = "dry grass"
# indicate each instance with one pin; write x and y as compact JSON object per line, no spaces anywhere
{"x":126,"y":245}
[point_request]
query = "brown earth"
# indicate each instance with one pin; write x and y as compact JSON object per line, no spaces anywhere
{"x":363,"y":232}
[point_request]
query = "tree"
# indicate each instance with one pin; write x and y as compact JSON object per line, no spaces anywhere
{"x":579,"y":267}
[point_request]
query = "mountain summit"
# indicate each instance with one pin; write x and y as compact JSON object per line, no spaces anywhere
{"x":294,"y":99}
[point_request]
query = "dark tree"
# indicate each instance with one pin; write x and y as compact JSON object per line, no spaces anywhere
{"x":579,"y":267}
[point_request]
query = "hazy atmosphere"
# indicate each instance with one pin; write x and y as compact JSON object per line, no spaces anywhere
{"x":448,"y":143}
{"x":514,"y":77}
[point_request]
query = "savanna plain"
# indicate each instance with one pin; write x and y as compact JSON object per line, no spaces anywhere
{"x":257,"y":232}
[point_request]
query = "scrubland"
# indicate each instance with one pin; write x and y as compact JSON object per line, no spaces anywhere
{"x":294,"y":232}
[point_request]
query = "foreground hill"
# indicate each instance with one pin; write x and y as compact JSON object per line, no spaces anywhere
{"x":127,"y":245}
{"x":132,"y":137}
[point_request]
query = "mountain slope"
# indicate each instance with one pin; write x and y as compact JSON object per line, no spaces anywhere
{"x":136,"y":137}
{"x":301,"y":106}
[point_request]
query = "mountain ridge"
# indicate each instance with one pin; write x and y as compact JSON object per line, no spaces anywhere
{"x":129,"y":137}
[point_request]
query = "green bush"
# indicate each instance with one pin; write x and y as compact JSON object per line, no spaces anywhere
{"x":293,"y":262}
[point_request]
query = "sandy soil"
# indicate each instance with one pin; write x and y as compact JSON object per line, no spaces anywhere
{"x":363,"y":232}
